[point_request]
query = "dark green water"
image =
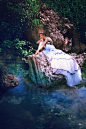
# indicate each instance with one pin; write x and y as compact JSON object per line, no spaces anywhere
{"x":29,"y":107}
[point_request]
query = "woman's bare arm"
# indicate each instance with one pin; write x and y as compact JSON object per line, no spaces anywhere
{"x":39,"y":41}
{"x":42,"y":44}
{"x":40,"y":47}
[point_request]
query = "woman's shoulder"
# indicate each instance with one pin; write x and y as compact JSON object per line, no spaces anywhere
{"x":49,"y":39}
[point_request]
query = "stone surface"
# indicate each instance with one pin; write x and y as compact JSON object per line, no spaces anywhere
{"x":60,"y":29}
{"x":7,"y":81}
{"x":41,"y":73}
{"x":80,"y":58}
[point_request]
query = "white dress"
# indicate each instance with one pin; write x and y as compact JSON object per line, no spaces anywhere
{"x":64,"y":64}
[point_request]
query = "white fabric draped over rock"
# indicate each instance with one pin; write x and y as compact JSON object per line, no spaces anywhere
{"x":64,"y":64}
{"x":41,"y":73}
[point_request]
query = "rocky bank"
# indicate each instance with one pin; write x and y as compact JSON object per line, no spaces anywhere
{"x":7,"y":81}
{"x":62,"y":32}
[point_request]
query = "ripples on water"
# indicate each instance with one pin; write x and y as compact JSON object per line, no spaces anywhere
{"x":29,"y":107}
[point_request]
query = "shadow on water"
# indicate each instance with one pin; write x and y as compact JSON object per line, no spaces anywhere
{"x":29,"y":107}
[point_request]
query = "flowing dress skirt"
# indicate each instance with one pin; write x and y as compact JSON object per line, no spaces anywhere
{"x":64,"y":64}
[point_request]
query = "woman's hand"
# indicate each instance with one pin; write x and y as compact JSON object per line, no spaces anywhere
{"x":37,"y":52}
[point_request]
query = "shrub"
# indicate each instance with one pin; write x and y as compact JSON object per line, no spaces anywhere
{"x":74,"y":10}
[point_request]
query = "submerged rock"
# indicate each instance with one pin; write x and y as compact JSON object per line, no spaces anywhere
{"x":41,"y":73}
{"x":7,"y":81}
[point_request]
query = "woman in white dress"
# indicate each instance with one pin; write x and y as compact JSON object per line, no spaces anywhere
{"x":61,"y":62}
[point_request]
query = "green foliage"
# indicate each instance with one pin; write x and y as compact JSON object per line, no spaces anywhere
{"x":71,"y":8}
{"x":35,"y":23}
{"x":84,"y":69}
{"x":26,"y":10}
{"x":23,"y":48}
{"x":60,"y":114}
{"x":75,"y":10}
{"x":74,"y":54}
{"x":0,"y":49}
{"x":16,"y":17}
{"x":24,"y":51}
{"x":7,"y":44}
{"x":84,"y":75}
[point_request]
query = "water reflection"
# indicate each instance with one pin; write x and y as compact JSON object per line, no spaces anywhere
{"x":29,"y":107}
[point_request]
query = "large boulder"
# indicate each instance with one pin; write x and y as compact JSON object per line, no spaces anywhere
{"x":80,"y":58}
{"x":7,"y":81}
{"x":41,"y":73}
{"x":62,"y":32}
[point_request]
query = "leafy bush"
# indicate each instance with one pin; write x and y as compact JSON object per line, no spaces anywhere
{"x":16,"y":17}
{"x":25,"y":10}
{"x":23,"y":48}
{"x":75,"y":10}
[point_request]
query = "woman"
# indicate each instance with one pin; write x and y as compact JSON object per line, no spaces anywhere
{"x":61,"y":62}
{"x":42,"y":42}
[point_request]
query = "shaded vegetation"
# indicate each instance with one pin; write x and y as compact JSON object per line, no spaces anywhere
{"x":74,"y":10}
{"x":84,"y":69}
{"x":19,"y":47}
{"x":17,"y":16}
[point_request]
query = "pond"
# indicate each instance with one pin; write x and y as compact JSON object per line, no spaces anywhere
{"x":30,"y":107}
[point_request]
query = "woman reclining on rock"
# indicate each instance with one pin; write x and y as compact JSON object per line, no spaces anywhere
{"x":61,"y":62}
{"x":42,"y":42}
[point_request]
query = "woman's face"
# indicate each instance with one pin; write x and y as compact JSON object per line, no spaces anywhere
{"x":41,"y":36}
